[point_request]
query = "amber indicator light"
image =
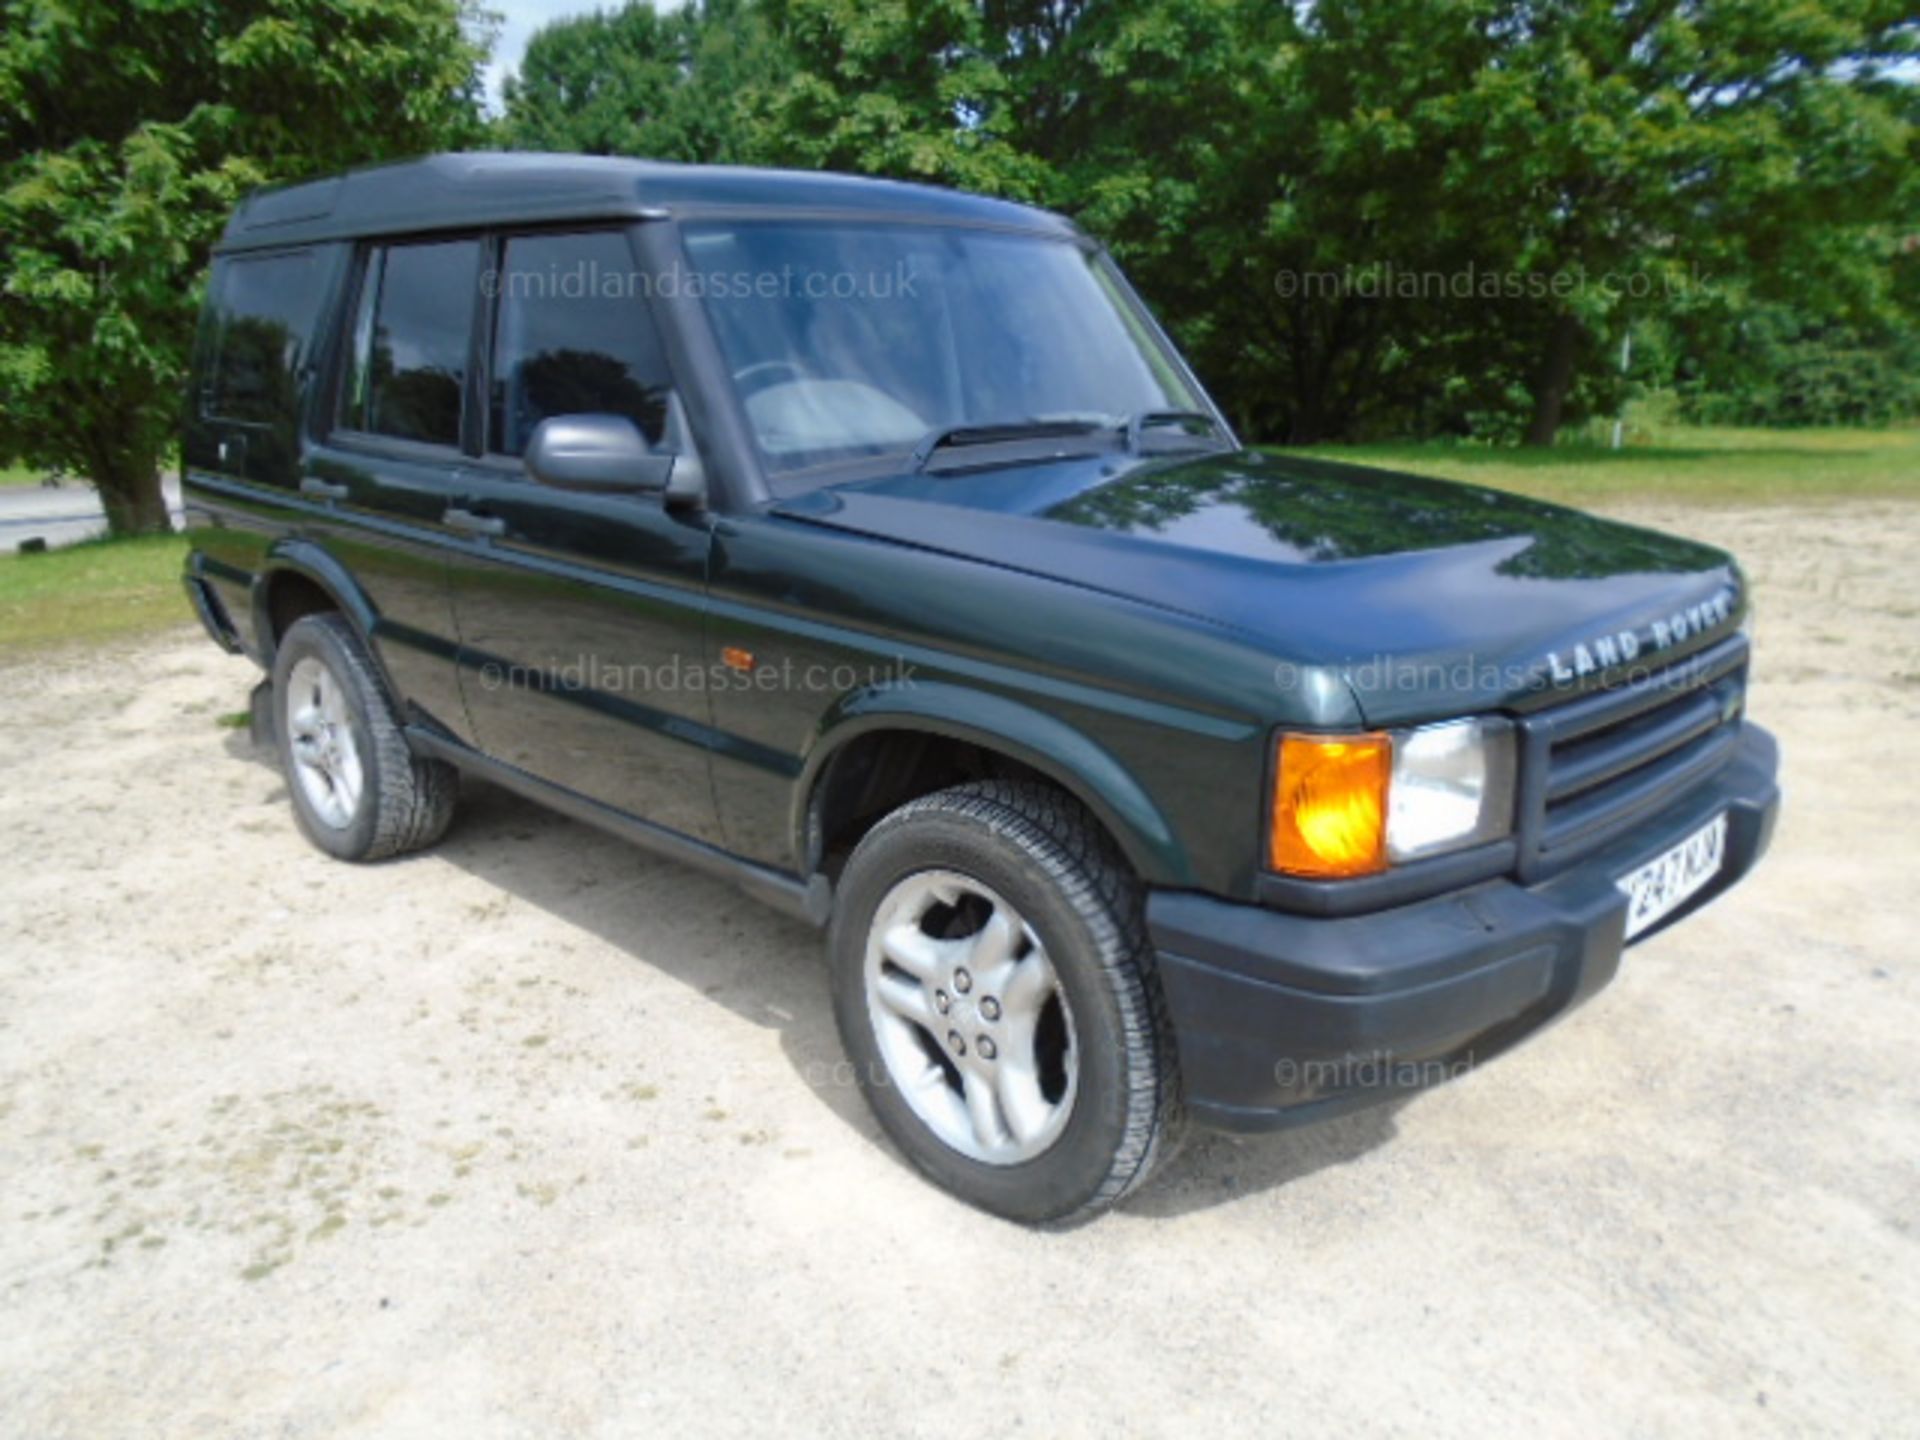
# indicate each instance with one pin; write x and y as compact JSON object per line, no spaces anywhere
{"x":1330,"y":805}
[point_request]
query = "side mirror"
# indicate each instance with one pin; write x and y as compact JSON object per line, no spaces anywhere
{"x":597,"y":454}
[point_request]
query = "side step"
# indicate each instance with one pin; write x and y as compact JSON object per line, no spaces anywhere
{"x":809,"y":899}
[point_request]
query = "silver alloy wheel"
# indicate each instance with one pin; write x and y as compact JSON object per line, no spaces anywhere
{"x":970,"y":1018}
{"x":326,"y":760}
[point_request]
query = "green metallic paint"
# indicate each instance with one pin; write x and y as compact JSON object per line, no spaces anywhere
{"x":1138,"y":627}
{"x":1427,"y":599}
{"x":582,"y":644}
{"x":1013,"y":729}
{"x":1170,"y":704}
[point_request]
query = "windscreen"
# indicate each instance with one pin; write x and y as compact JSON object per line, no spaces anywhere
{"x":846,"y":341}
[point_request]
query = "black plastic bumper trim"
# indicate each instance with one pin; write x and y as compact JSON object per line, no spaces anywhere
{"x":1282,"y":1019}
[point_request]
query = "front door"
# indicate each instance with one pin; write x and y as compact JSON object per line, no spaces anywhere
{"x":384,"y":477}
{"x":582,"y":617}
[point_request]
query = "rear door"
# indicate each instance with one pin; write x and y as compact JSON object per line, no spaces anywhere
{"x":582,"y":617}
{"x":256,"y":358}
{"x":254,"y":365}
{"x":389,"y":467}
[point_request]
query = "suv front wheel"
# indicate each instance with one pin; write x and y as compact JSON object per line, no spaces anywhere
{"x":358,"y":791}
{"x":994,"y":988}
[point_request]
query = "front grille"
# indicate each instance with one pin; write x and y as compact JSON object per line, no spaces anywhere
{"x":1593,"y":767}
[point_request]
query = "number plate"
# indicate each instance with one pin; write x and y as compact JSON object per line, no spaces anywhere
{"x":1663,"y":884}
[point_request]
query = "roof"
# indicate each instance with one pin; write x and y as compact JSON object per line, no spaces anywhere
{"x":467,"y":191}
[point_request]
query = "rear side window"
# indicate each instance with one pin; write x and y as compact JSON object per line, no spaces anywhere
{"x":263,"y":314}
{"x":407,"y":360}
{"x":572,"y":337}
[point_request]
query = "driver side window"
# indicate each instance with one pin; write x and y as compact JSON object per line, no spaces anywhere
{"x":573,"y":335}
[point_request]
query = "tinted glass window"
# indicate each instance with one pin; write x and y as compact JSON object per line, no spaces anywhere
{"x":848,"y":341}
{"x":408,"y":364}
{"x":574,"y":337}
{"x":264,"y":311}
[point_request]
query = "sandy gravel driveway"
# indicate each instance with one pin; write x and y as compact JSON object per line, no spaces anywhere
{"x":536,"y":1135}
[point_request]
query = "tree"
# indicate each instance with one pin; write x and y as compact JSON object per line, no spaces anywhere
{"x":1409,"y":217}
{"x":638,"y":81}
{"x":1221,"y":147}
{"x":1358,"y":216}
{"x":1660,"y":143}
{"x":1779,"y":366}
{"x":906,"y":88}
{"x":1269,"y":175}
{"x":128,"y":130}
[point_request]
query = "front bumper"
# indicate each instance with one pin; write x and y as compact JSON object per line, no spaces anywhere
{"x":1283,"y":1019}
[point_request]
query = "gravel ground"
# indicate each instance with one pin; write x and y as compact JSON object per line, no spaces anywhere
{"x":536,"y":1135}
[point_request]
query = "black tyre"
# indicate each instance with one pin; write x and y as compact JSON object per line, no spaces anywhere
{"x":995,"y":990}
{"x":358,"y":792}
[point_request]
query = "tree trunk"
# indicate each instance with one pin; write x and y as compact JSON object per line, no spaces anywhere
{"x":1305,"y":428}
{"x":1307,"y":423}
{"x":1554,"y":380}
{"x":130,"y":493}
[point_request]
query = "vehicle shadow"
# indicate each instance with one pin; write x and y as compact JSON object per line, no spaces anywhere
{"x":764,"y":967}
{"x":239,"y":746}
{"x":770,"y":970}
{"x":1216,"y":1168}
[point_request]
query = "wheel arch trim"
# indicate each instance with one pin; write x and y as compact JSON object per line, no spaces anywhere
{"x":1042,"y":742}
{"x":312,"y":563}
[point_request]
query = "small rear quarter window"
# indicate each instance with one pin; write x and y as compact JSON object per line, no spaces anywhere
{"x":263,"y":316}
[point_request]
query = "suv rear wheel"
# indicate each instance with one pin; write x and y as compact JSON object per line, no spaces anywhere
{"x":358,"y":792}
{"x":994,"y":987}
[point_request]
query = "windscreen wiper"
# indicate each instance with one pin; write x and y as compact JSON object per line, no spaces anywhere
{"x":1136,"y":425}
{"x":957,"y":436}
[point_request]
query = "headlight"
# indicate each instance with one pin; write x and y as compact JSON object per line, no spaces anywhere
{"x":1452,"y":787}
{"x":1353,"y":804}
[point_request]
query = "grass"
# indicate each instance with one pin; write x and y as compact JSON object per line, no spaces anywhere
{"x":20,"y":475}
{"x":94,"y":591}
{"x":1680,"y":464}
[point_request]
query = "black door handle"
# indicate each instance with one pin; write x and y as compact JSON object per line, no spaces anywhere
{"x":458,"y":519}
{"x":310,"y":485}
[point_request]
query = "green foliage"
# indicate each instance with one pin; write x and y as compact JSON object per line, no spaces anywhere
{"x":1361,"y":217}
{"x":640,"y":81}
{"x":1457,"y":208}
{"x":907,"y":88}
{"x":1685,"y":147}
{"x":128,"y":131}
{"x":1787,"y":369}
